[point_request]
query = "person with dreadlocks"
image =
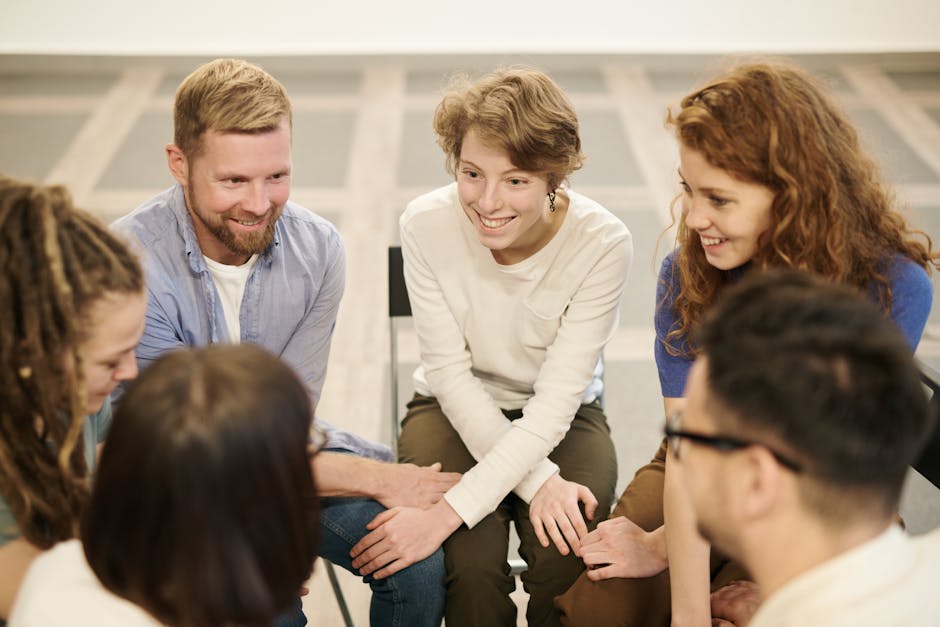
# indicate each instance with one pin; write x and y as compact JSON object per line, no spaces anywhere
{"x":73,"y":312}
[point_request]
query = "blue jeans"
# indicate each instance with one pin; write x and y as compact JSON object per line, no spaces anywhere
{"x":294,"y":617}
{"x":413,"y":597}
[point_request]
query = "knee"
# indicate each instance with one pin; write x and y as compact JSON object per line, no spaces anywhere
{"x":428,"y":574}
{"x":476,"y":571}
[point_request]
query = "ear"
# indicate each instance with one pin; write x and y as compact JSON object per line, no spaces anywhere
{"x":763,"y":483}
{"x":178,"y":163}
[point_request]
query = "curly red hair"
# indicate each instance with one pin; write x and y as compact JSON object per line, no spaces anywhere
{"x":773,"y":124}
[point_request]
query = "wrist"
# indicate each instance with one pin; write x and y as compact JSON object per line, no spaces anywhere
{"x":656,"y":545}
{"x":446,"y":516}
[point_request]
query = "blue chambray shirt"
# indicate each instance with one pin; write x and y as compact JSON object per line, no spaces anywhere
{"x":290,"y":301}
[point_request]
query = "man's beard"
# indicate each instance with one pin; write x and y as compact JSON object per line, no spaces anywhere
{"x":242,"y":243}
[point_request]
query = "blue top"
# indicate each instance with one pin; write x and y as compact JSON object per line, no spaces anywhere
{"x":93,"y":433}
{"x":911,"y":289}
{"x":289,"y":306}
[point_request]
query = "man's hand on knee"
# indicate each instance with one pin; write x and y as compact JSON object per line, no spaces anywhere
{"x":401,"y":536}
{"x":408,"y":485}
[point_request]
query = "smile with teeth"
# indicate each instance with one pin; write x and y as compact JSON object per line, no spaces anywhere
{"x":494,"y":223}
{"x":249,"y":222}
{"x":711,"y":241}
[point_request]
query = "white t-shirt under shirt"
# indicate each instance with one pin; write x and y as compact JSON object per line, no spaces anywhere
{"x":230,"y":283}
{"x":494,"y":337}
{"x":890,"y":581}
{"x":61,"y":589}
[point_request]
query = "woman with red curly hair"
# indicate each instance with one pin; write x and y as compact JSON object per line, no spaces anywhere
{"x":772,"y":175}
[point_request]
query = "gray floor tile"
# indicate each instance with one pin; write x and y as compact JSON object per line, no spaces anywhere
{"x":55,"y":84}
{"x":899,"y":161}
{"x":610,"y":160}
{"x":634,"y":407}
{"x":587,"y":80}
{"x":421,"y":163}
{"x":640,"y":295}
{"x":934,"y":115}
{"x":672,"y":81}
{"x":317,"y":84}
{"x":426,"y":81}
{"x":140,"y":162}
{"x":33,"y":144}
{"x":321,"y":147}
{"x":169,"y":83}
{"x":916,"y":81}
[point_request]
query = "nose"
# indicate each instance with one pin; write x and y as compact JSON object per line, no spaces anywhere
{"x":696,"y":214}
{"x":256,"y":199}
{"x":489,"y":200}
{"x":127,"y":367}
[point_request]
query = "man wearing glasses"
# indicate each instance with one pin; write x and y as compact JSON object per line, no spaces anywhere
{"x":803,"y":412}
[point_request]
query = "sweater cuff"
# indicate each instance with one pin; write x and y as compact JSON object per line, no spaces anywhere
{"x":461,"y":499}
{"x":527,"y":488}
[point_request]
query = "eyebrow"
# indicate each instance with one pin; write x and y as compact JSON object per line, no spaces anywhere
{"x":504,"y":173}
{"x":707,"y":190}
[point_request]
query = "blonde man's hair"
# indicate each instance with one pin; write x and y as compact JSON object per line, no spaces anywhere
{"x":227,"y":96}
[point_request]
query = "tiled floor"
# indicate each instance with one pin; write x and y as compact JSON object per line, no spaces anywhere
{"x":363,"y":147}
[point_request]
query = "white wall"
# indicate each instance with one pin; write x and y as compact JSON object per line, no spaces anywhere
{"x":257,"y":27}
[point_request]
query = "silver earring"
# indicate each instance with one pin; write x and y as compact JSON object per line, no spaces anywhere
{"x":551,"y":201}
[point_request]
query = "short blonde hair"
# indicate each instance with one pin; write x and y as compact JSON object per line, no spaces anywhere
{"x":228,"y":96}
{"x":520,"y":110}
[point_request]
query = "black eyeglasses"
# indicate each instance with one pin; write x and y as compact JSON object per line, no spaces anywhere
{"x":674,"y":433}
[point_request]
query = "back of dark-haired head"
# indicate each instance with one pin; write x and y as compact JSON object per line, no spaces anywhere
{"x":818,"y":370}
{"x":204,"y":510}
{"x":56,"y":263}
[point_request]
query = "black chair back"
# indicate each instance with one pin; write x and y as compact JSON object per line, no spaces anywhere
{"x":929,"y":463}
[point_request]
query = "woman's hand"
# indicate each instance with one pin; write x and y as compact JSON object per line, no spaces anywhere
{"x":401,"y":536}
{"x":621,"y":548}
{"x":555,"y":514}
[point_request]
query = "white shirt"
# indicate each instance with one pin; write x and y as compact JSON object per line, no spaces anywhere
{"x":892,"y":580}
{"x":230,"y":283}
{"x":61,"y":589}
{"x":494,"y":337}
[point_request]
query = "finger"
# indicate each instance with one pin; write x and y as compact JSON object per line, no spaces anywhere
{"x":392,"y":568}
{"x":602,"y":573}
{"x":590,"y":539}
{"x":435,"y":466}
{"x":577,"y":522}
{"x":382,"y":518}
{"x":595,"y":558}
{"x":376,"y":563}
{"x":590,"y":502}
{"x":556,"y":535}
{"x":539,"y":529}
{"x":364,"y":544}
{"x":570,"y":533}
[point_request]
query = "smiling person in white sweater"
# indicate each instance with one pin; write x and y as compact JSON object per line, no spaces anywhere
{"x":515,"y":283}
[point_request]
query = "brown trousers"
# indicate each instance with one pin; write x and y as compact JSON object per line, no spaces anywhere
{"x":478,"y":579}
{"x":635,"y":602}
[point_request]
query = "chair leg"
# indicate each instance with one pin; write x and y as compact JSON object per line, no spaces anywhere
{"x":338,"y":593}
{"x":517,"y":567}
